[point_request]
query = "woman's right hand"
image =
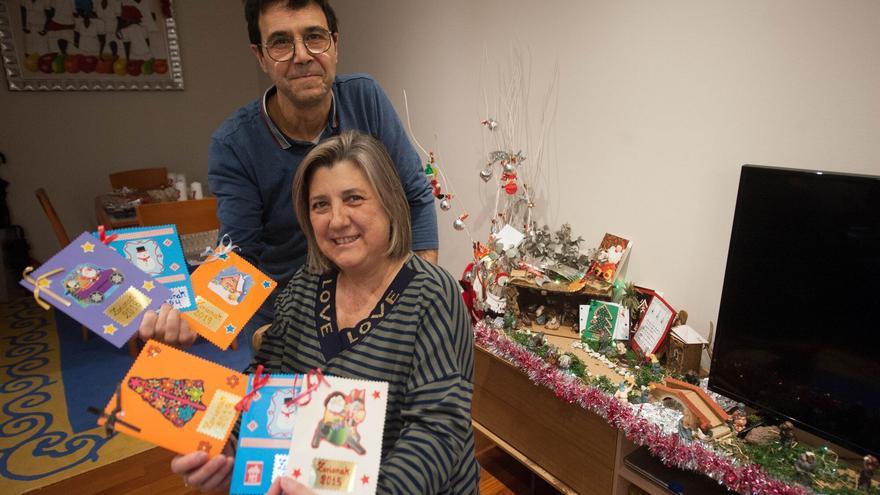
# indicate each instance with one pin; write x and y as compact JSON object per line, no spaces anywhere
{"x":168,"y":327}
{"x":202,"y":474}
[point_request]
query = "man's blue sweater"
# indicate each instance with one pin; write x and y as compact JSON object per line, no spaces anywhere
{"x":251,"y":165}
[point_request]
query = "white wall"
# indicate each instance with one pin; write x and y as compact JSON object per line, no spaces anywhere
{"x":68,"y":142}
{"x":659,"y":104}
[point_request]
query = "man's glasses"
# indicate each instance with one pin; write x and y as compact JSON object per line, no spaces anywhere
{"x":282,"y":49}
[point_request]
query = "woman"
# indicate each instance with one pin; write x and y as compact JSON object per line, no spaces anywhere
{"x":365,"y":307}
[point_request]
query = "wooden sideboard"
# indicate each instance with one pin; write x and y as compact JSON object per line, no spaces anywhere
{"x":571,"y":448}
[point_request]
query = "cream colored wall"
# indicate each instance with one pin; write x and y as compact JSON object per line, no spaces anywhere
{"x":67,"y":142}
{"x":660,"y":103}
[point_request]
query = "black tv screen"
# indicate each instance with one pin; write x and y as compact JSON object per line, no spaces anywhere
{"x":798,"y":335}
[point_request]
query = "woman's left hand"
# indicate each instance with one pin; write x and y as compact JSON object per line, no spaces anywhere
{"x":285,"y":485}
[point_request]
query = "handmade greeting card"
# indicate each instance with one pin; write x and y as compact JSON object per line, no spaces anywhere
{"x":653,"y":327}
{"x":97,"y":287}
{"x":178,"y":401}
{"x":265,"y":433}
{"x":337,"y":436}
{"x":157,"y":251}
{"x":612,"y":252}
{"x":229,"y":290}
{"x":601,"y":320}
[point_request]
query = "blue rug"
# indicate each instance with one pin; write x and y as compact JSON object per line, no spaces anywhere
{"x":91,"y":369}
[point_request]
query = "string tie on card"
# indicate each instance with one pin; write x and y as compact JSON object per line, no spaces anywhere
{"x":306,"y":395}
{"x":221,"y":252}
{"x":260,"y":380}
{"x":102,"y":235}
{"x":41,"y":286}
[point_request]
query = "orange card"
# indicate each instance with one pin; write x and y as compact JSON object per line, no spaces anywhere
{"x":228,"y":290}
{"x":178,"y":401}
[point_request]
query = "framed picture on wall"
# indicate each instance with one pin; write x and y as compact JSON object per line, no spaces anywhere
{"x":74,"y":45}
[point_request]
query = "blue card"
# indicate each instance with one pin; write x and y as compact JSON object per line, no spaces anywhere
{"x":265,"y":435}
{"x":158,"y":253}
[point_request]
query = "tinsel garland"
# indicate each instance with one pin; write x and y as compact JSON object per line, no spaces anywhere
{"x":747,"y":479}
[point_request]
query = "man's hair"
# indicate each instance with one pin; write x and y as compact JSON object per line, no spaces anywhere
{"x":253,"y":9}
{"x":369,"y":155}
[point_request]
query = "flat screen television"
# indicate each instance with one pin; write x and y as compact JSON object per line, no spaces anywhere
{"x":798,"y":334}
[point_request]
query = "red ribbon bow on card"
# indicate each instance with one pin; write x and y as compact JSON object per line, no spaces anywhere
{"x":102,"y":235}
{"x":306,"y":396}
{"x":260,"y":380}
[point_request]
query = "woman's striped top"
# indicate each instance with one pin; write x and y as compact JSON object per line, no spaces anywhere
{"x":423,"y":348}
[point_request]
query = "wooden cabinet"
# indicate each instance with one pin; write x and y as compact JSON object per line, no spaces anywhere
{"x":570,"y":447}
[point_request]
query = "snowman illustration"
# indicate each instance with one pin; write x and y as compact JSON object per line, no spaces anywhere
{"x":146,"y":255}
{"x":281,"y":414}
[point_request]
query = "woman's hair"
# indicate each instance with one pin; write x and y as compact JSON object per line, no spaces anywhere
{"x":368,"y":154}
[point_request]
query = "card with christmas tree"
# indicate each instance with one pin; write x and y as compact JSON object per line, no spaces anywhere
{"x":176,"y":400}
{"x":265,"y":433}
{"x":97,"y":287}
{"x":337,"y":435}
{"x":601,"y":320}
{"x":228,"y":290}
{"x":157,"y":251}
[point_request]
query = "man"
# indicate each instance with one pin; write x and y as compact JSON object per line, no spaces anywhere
{"x":255,"y":153}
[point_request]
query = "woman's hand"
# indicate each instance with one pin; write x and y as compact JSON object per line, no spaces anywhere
{"x":202,"y":474}
{"x":167,"y":326}
{"x":285,"y":485}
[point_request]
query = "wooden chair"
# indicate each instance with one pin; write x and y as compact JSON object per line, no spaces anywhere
{"x":192,"y":217}
{"x":142,"y":179}
{"x":64,"y":240}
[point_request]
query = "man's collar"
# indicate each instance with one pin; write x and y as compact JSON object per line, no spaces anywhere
{"x":283,"y":141}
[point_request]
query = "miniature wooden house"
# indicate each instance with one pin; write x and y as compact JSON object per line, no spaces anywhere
{"x":685,"y":350}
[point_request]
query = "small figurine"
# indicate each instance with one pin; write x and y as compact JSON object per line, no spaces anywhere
{"x":655,"y":363}
{"x":537,"y":339}
{"x":622,"y":391}
{"x":564,"y":361}
{"x":540,"y":316}
{"x":621,"y":350}
{"x":869,"y":464}
{"x":804,"y":467}
{"x":738,"y":418}
{"x":684,"y":432}
{"x":524,"y":321}
{"x":509,"y":321}
{"x":786,"y":434}
{"x":552,"y":356}
{"x":552,"y":323}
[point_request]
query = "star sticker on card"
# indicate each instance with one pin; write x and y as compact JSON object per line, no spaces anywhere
{"x":365,"y":479}
{"x":266,"y":284}
{"x":223,"y":256}
{"x":376,"y":394}
{"x":204,"y":446}
{"x":110,"y":329}
{"x":88,"y":247}
{"x":296,"y":473}
{"x":148,"y":285}
{"x":230,"y":328}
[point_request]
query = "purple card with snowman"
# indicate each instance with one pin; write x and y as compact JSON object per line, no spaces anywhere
{"x":97,"y":287}
{"x":157,"y":252}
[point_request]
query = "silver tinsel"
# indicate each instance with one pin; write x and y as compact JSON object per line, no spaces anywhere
{"x":660,"y":415}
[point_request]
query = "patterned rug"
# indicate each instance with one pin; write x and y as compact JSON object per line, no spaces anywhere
{"x":37,"y":445}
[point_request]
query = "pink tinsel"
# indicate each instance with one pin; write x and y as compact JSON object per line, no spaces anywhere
{"x":745,"y":479}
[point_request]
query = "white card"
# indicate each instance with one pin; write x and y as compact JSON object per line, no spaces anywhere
{"x":621,"y":328}
{"x":337,"y":437}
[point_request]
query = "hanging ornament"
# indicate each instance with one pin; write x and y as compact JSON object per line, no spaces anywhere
{"x":458,"y":224}
{"x":510,"y":188}
{"x":509,"y":167}
{"x":490,"y":123}
{"x":486,"y":174}
{"x":444,"y":205}
{"x":429,"y":170}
